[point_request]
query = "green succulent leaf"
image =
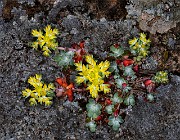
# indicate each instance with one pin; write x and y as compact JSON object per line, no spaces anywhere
{"x":161,"y":77}
{"x":128,"y":71}
{"x":109,"y":109}
{"x":113,"y":67}
{"x":92,"y":126}
{"x":116,"y":99}
{"x":115,"y":122}
{"x":119,"y":82}
{"x":129,"y":100}
{"x":116,"y":52}
{"x":150,"y":97}
{"x":50,"y":94}
{"x":127,"y":89}
{"x":117,"y":76}
{"x":64,"y":59}
{"x":94,"y":109}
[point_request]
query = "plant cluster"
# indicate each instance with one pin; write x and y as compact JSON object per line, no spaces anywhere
{"x":112,"y":84}
{"x":45,"y":40}
{"x":93,"y":75}
{"x":40,"y":93}
{"x":140,"y":46}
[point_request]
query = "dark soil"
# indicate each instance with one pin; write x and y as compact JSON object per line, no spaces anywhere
{"x":100,"y":23}
{"x":110,"y":9}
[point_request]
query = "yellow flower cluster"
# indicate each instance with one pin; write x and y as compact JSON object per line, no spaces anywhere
{"x":139,"y":46}
{"x":161,"y":77}
{"x":45,"y":41}
{"x":40,"y":91}
{"x":94,"y":75}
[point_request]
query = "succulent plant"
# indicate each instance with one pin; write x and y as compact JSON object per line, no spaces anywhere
{"x":150,"y":97}
{"x":128,"y":71}
{"x":116,"y":99}
{"x":93,"y":109}
{"x":116,"y":51}
{"x":41,"y":92}
{"x":92,"y":126}
{"x":129,"y":100}
{"x":46,"y":41}
{"x":161,"y":77}
{"x":140,"y":46}
{"x":109,"y":109}
{"x":113,"y":67}
{"x":119,"y":82}
{"x":115,"y":122}
{"x":64,"y":59}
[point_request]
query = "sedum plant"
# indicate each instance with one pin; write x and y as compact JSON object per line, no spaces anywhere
{"x":129,"y":100}
{"x":92,"y":126}
{"x":161,"y":77}
{"x":115,"y":122}
{"x":93,"y":108}
{"x":109,"y":109}
{"x":116,"y":51}
{"x":140,"y":46}
{"x":40,"y":93}
{"x":46,"y":40}
{"x":93,"y":75}
{"x":116,"y":99}
{"x":118,"y":75}
{"x":64,"y":59}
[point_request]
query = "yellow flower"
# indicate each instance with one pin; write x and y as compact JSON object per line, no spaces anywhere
{"x":80,"y":79}
{"x":45,"y":41}
{"x":133,"y":41}
{"x":37,"y":33}
{"x":48,"y":103}
{"x":35,"y":45}
{"x":142,"y":35}
{"x":38,"y":77}
{"x":78,"y":66}
{"x":105,"y":88}
{"x":27,"y":92}
{"x":143,"y":39}
{"x":32,"y":101}
{"x":93,"y":74}
{"x":90,"y":60}
{"x":51,"y":86}
{"x":35,"y":94}
{"x":93,"y":90}
{"x":161,"y":77}
{"x":39,"y":92}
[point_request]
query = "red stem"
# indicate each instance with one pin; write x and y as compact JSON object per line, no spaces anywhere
{"x":64,"y":49}
{"x":79,"y":90}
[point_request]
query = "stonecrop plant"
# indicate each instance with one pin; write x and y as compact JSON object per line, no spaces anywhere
{"x":112,"y":85}
{"x":140,"y":46}
{"x":93,"y":75}
{"x":40,"y":93}
{"x":161,"y":77}
{"x":46,"y":40}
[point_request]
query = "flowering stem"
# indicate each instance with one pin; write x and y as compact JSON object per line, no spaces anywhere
{"x":79,"y":90}
{"x":64,"y":49}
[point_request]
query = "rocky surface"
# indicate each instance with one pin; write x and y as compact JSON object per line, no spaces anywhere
{"x":78,"y":21}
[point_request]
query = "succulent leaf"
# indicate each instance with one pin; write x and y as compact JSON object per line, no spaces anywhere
{"x":116,"y":52}
{"x":116,"y":99}
{"x":115,"y":122}
{"x":92,"y":126}
{"x":119,"y":82}
{"x":129,"y":100}
{"x":64,"y":59}
{"x":109,"y":109}
{"x":94,"y":109}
